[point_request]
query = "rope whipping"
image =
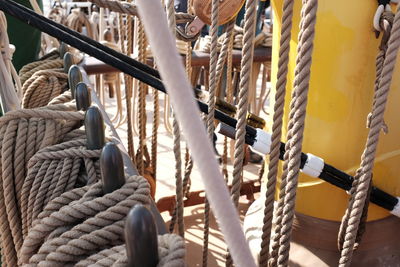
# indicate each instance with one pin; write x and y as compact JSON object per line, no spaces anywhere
{"x":368,"y":157}
{"x":82,"y":222}
{"x":171,"y":251}
{"x":245,"y":74}
{"x":276,"y":135}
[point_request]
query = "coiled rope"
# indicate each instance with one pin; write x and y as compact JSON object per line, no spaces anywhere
{"x":53,"y":171}
{"x":368,"y":157}
{"x":42,"y":87}
{"x":171,"y":251}
{"x":28,"y":70}
{"x":22,"y":134}
{"x":82,"y":222}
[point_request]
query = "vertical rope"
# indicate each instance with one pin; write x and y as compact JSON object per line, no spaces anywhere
{"x":300,"y":103}
{"x":245,"y":74}
{"x":284,"y":50}
{"x":368,"y":157}
{"x":273,"y":257}
{"x":141,"y":101}
{"x":246,"y":64}
{"x":156,"y":122}
{"x":211,"y":111}
{"x":177,"y":138}
{"x":127,"y":79}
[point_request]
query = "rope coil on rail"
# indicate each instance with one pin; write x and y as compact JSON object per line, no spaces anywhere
{"x":43,"y":86}
{"x":55,"y":170}
{"x":82,"y":222}
{"x":22,"y":134}
{"x":171,"y":251}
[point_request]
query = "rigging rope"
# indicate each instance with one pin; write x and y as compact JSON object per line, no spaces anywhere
{"x":280,"y":93}
{"x":367,"y":160}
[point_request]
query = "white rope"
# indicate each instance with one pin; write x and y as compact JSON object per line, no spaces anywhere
{"x":187,"y":112}
{"x":9,"y":98}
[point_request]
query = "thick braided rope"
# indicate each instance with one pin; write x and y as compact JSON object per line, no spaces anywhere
{"x":23,"y":132}
{"x":42,"y":87}
{"x":245,"y":74}
{"x":171,"y":251}
{"x":367,"y":160}
{"x":63,"y":99}
{"x":224,"y":50}
{"x":77,"y":20}
{"x":280,"y":93}
{"x":302,"y":85}
{"x":154,"y":133}
{"x":170,"y":10}
{"x":53,"y":171}
{"x":211,"y":110}
{"x":380,"y":58}
{"x":93,"y":221}
{"x":128,"y":83}
{"x":141,"y":102}
{"x":28,"y":70}
{"x":277,"y":221}
{"x":185,"y":187}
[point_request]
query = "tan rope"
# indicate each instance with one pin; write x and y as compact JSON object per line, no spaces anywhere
{"x":171,"y":252}
{"x":53,"y":171}
{"x":245,"y":74}
{"x":42,"y":87}
{"x":84,"y":225}
{"x":77,"y":20}
{"x":23,"y":133}
{"x":246,"y":64}
{"x":28,"y":70}
{"x":280,"y":205}
{"x":141,"y":102}
{"x":368,"y":157}
{"x":302,"y":77}
{"x":386,"y":24}
{"x":177,"y":141}
{"x":128,"y":83}
{"x":211,"y":110}
{"x":224,"y":50}
{"x":154,"y":135}
{"x":284,"y":50}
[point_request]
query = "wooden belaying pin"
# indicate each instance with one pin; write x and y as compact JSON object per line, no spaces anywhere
{"x":112,"y":168}
{"x":68,"y":61}
{"x":94,"y":127}
{"x":62,"y":49}
{"x":141,"y":238}
{"x":74,"y":77}
{"x":82,"y":96}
